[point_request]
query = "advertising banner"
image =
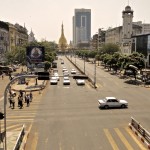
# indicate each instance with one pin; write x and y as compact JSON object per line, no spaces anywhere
{"x":35,"y":54}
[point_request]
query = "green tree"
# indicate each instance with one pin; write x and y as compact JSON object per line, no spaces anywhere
{"x":109,"y":48}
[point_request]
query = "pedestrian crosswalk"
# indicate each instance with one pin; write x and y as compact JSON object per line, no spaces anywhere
{"x":16,"y":118}
{"x":123,"y":138}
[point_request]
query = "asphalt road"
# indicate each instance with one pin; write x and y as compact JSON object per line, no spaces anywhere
{"x":69,"y":118}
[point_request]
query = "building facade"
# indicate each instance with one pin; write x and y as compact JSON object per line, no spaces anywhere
{"x":4,"y":37}
{"x":122,"y":35}
{"x":81,"y":27}
{"x":141,"y":44}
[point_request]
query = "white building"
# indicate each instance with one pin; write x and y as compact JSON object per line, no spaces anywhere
{"x":122,"y":35}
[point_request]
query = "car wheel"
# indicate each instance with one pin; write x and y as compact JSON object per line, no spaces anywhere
{"x":106,"y":106}
{"x":123,"y":106}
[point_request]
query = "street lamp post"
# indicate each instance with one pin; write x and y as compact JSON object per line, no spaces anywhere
{"x":75,"y":59}
{"x":5,"y":103}
{"x":95,"y":74}
{"x":84,"y":64}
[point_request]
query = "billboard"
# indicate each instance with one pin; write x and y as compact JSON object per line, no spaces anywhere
{"x":35,"y":54}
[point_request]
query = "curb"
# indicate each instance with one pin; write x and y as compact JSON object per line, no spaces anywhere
{"x":28,"y":90}
{"x":139,"y":136}
{"x":24,"y":141}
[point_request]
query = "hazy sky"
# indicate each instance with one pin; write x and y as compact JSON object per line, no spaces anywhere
{"x":46,"y":16}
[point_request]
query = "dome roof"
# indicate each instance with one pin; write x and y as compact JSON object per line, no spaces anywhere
{"x":128,"y":8}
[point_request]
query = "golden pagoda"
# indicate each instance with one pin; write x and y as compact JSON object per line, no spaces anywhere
{"x":62,"y":40}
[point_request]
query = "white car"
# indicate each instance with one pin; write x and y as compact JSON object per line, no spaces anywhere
{"x":110,"y":102}
{"x":66,"y":81}
{"x":66,"y":73}
{"x":64,"y":69}
{"x":80,"y":82}
{"x":53,"y":80}
{"x":56,"y":75}
{"x":73,"y":71}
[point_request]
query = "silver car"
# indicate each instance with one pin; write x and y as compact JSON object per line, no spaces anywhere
{"x":112,"y":102}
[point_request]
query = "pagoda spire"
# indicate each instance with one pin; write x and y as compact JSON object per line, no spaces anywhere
{"x":62,"y":39}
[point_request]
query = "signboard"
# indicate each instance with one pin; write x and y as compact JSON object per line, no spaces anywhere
{"x":35,"y":54}
{"x":148,"y":43}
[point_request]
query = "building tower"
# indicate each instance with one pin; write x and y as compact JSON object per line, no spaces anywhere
{"x":31,"y":37}
{"x":81,"y":26}
{"x":127,"y":16}
{"x":62,"y":40}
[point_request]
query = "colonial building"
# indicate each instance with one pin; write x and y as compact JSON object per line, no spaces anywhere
{"x":4,"y":37}
{"x":122,"y":35}
{"x":62,"y":40}
{"x":18,"y":35}
{"x":21,"y":35}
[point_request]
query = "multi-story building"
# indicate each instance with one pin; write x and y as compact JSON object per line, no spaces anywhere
{"x":21,"y":35}
{"x":18,"y":35}
{"x":4,"y":37}
{"x":81,"y":27}
{"x":122,"y":35}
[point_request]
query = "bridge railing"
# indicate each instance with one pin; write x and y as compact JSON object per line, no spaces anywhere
{"x":140,"y":129}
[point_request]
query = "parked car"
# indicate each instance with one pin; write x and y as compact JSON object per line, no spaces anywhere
{"x":110,"y":102}
{"x":66,"y":81}
{"x":80,"y":82}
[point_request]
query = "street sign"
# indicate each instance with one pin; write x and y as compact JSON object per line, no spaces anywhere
{"x":43,"y":75}
{"x":80,"y":77}
{"x":1,"y":116}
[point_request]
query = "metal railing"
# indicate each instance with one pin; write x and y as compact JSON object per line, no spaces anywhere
{"x":20,"y":139}
{"x":140,"y":129}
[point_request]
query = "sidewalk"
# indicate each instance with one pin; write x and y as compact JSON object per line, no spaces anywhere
{"x":12,"y":137}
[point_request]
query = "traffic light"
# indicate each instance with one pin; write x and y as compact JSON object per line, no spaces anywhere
{"x":43,"y":75}
{"x":1,"y":116}
{"x":80,"y":77}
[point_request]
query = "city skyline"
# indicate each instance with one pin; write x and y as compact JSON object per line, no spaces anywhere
{"x":45,"y":18}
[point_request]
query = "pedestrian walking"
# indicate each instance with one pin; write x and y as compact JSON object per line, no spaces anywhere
{"x":28,"y":100}
{"x":13,"y":103}
{"x":21,"y":93}
{"x":25,"y":97}
{"x":31,"y":96}
{"x":10,"y":101}
{"x":20,"y":101}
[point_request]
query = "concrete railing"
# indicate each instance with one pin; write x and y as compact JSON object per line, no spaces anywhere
{"x":137,"y":126}
{"x":20,"y":139}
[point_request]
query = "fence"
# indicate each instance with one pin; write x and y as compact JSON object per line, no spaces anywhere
{"x":140,"y":129}
{"x":20,"y":138}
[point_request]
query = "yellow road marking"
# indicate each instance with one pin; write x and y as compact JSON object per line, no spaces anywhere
{"x":111,"y":140}
{"x":123,"y":139}
{"x":135,"y":139}
{"x":13,"y":126}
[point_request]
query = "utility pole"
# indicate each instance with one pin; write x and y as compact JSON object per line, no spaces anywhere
{"x":95,"y":73}
{"x":84,"y":64}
